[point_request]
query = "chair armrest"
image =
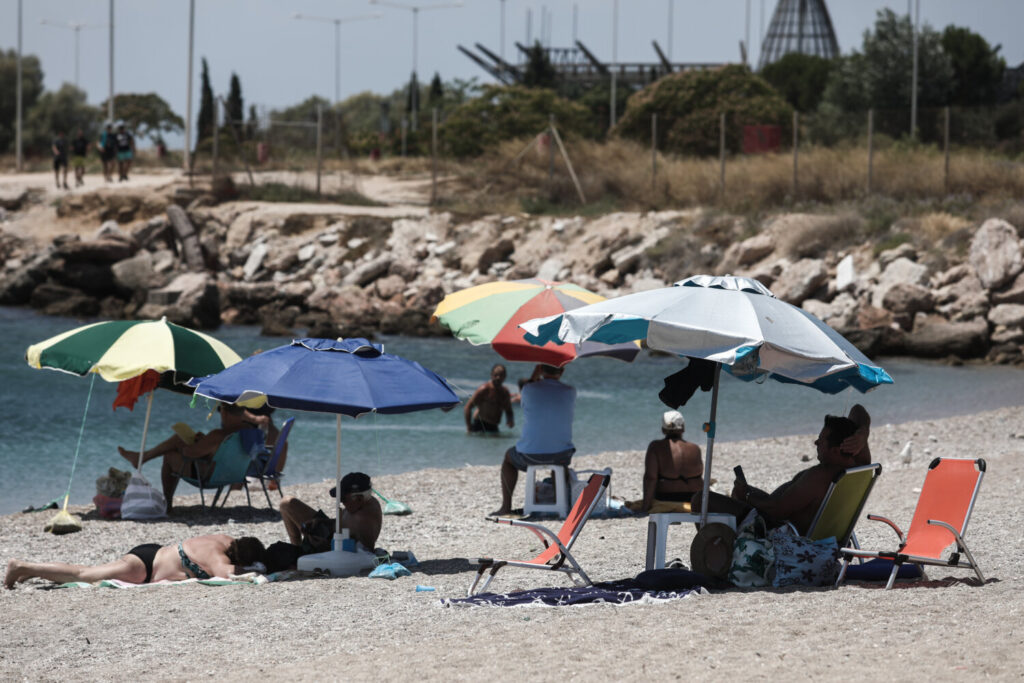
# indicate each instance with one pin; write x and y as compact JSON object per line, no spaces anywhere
{"x":892,"y":524}
{"x":541,"y":531}
{"x":951,"y":529}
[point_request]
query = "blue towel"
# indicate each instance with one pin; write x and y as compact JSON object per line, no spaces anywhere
{"x":389,"y":571}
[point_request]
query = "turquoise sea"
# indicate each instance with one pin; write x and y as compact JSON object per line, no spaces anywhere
{"x":617,"y":409}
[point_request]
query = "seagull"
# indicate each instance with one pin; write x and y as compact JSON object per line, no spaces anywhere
{"x":906,"y":454}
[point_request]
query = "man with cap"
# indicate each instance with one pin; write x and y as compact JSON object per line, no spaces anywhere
{"x":361,"y":513}
{"x":673,"y":467}
{"x":549,"y":406}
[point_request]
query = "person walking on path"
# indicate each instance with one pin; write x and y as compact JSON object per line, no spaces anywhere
{"x":125,"y":144}
{"x":79,"y":148}
{"x":60,"y":158}
{"x":107,"y":152}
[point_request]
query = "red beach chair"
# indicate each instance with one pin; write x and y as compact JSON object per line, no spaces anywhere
{"x":940,"y":519}
{"x":556,"y":546}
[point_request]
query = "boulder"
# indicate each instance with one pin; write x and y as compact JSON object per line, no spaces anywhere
{"x":904,"y":251}
{"x":191,"y":299}
{"x":187,"y":236}
{"x":846,"y":274}
{"x":906,"y":298}
{"x":155,"y":229}
{"x":255,"y":260}
{"x":937,"y":338}
{"x":1007,"y":335}
{"x":1007,"y":315}
{"x":963,"y":300}
{"x":13,"y":198}
{"x":755,"y":248}
{"x":995,"y":253}
{"x":136,"y":272}
{"x":111,"y":230}
{"x":550,"y":268}
{"x":17,"y":285}
{"x":840,"y":314}
{"x":1012,"y":294}
{"x":389,"y":286}
{"x":501,"y":251}
{"x":94,"y":278}
{"x":900,"y":271}
{"x":240,"y":230}
{"x":104,"y":250}
{"x":367,"y":272}
{"x":801,"y":279}
{"x":953,"y":275}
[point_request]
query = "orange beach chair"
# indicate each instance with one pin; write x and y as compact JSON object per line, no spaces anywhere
{"x":556,"y":555}
{"x":940,"y":519}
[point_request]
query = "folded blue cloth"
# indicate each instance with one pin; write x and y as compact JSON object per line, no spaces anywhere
{"x":879,"y":569}
{"x":389,"y":571}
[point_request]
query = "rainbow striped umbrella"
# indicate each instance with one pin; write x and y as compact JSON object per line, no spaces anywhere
{"x":491,"y":314}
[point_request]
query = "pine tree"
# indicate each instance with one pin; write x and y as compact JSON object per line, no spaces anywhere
{"x":236,"y":108}
{"x":436,"y":95}
{"x":204,"y":123}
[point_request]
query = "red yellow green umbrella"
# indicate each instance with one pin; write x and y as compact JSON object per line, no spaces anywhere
{"x":491,"y":313}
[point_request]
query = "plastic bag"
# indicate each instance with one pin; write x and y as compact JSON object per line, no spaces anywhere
{"x":141,"y":500}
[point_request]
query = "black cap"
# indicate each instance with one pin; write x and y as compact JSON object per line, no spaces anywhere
{"x":353,"y":482}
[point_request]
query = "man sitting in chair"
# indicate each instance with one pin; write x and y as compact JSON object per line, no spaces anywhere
{"x":361,"y":514}
{"x":798,"y":500}
{"x":548,"y":411}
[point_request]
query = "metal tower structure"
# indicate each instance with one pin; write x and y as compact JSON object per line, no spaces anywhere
{"x":802,"y":26}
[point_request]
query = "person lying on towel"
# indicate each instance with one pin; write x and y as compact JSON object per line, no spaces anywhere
{"x":797,"y":500}
{"x":201,"y":557}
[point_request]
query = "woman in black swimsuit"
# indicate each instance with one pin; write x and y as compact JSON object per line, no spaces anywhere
{"x":673,"y":468}
{"x":199,"y":557}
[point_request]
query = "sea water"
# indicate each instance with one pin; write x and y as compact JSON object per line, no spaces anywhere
{"x":617,"y":409}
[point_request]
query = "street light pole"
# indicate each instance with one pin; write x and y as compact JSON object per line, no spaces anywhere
{"x":77,"y":28}
{"x":615,"y":58}
{"x":337,"y":21}
{"x":502,"y":41}
{"x":188,"y":92}
{"x":110,"y":93}
{"x":670,"y":26}
{"x":415,"y":9}
{"x":17,"y":126}
{"x":913,"y":81}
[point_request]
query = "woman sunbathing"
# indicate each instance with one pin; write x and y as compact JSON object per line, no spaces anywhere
{"x":202,"y":557}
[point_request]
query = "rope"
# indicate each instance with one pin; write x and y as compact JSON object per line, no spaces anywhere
{"x":78,"y":446}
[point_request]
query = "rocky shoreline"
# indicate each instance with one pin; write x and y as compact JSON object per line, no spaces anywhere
{"x":950,"y":289}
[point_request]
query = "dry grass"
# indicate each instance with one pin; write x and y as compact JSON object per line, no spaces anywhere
{"x":619,"y":173}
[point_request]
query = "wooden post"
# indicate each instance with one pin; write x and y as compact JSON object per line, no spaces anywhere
{"x":654,"y":148}
{"x":319,"y":145}
{"x":721,"y":154}
{"x":433,"y":158}
{"x":551,"y":149}
{"x":871,"y":147}
{"x":572,"y":172}
{"x":945,"y":141}
{"x":796,"y":151}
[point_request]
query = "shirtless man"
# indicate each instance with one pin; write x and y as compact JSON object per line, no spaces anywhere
{"x":202,"y":557}
{"x":362,"y":514}
{"x":490,"y":400}
{"x":181,"y":451}
{"x":673,"y":466}
{"x":857,"y":443}
{"x":797,"y":500}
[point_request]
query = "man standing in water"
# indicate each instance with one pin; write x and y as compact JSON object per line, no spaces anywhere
{"x":483,"y":410}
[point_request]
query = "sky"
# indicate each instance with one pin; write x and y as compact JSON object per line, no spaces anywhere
{"x":282,"y":60}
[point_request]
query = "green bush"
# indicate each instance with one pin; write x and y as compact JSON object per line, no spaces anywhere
{"x":506,"y":113}
{"x":689,"y":104}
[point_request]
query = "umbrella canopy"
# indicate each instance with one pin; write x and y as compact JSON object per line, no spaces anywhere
{"x":734,"y":322}
{"x":121,"y":349}
{"x":344,"y":376}
{"x":491,"y":314}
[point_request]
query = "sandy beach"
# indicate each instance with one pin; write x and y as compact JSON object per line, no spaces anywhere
{"x":359,"y":628}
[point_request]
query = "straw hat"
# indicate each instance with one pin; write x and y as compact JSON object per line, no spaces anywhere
{"x":711,"y":550}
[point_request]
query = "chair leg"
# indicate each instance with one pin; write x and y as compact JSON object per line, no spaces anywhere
{"x":892,"y":575}
{"x":266,"y":493}
{"x":974,"y":565}
{"x":842,"y":571}
{"x":217,"y":496}
{"x":248,"y":500}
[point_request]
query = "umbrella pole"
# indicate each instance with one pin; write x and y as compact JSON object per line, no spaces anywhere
{"x":337,"y":483}
{"x":145,"y":428}
{"x":710,"y":429}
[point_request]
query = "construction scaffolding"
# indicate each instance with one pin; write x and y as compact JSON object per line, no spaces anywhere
{"x":802,"y":26}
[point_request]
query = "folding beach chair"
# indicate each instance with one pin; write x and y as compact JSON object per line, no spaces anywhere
{"x":843,"y":503}
{"x":265,"y":466}
{"x":940,"y":519}
{"x":555,"y":555}
{"x":230,"y":463}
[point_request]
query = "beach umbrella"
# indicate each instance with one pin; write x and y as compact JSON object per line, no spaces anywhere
{"x":733,"y":322}
{"x":120,"y":350}
{"x":345,"y":377}
{"x":491,"y":314}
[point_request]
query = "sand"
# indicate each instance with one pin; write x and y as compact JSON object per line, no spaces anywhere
{"x":359,"y":628}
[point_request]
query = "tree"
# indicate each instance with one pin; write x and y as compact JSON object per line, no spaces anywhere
{"x":236,"y":107}
{"x":204,"y":122}
{"x":539,"y":71}
{"x":977,"y":67}
{"x":436,"y":94}
{"x":31,"y":89}
{"x":800,"y":78}
{"x":64,"y":110}
{"x":148,"y":115}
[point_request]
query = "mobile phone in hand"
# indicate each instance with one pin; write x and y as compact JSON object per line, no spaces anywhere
{"x":739,"y":474}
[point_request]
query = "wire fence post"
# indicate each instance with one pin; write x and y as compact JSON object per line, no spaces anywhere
{"x":796,"y":151}
{"x":871,"y":147}
{"x":721,"y":154}
{"x":945,"y":145}
{"x":433,"y":158}
{"x":319,"y":145}
{"x":654,"y":149}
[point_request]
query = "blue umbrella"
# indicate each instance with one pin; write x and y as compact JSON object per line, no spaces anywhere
{"x":344,"y":376}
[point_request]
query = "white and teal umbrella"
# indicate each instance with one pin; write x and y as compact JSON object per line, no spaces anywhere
{"x":735,"y":322}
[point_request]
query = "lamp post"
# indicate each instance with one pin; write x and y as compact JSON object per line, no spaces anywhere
{"x":615,"y":59}
{"x":17,"y":124}
{"x":76,"y":27}
{"x":187,"y":157}
{"x":415,"y":9}
{"x":337,"y":41}
{"x":502,"y":41}
{"x":110,"y":93}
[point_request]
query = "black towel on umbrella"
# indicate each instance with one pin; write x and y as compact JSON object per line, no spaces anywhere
{"x":680,"y":386}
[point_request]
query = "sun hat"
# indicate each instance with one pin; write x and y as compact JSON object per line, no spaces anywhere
{"x":672,"y":421}
{"x":711,"y":550}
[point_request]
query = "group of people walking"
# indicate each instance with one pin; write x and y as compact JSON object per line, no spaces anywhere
{"x":116,"y":150}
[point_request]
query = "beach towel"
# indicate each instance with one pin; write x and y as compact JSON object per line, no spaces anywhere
{"x":625,"y":592}
{"x":250,"y":578}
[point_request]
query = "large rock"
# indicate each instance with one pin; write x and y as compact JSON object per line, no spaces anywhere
{"x":900,"y":271}
{"x":240,"y":230}
{"x":995,"y":253}
{"x":191,"y":299}
{"x":839,"y":314}
{"x":846,"y":274}
{"x":908,"y":299}
{"x":12,"y":198}
{"x":16,"y":286}
{"x":800,"y":280}
{"x":188,"y":237}
{"x":500,"y":251}
{"x":938,"y":338}
{"x":107,"y":250}
{"x":92,"y":277}
{"x":136,"y":273}
{"x":1013,"y":294}
{"x":1008,"y":315}
{"x":965,"y":299}
{"x":365,"y":273}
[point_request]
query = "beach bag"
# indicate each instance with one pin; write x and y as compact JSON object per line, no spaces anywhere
{"x":109,"y":508}
{"x":141,"y":500}
{"x":752,"y":556}
{"x":577,"y":483}
{"x":799,"y":561}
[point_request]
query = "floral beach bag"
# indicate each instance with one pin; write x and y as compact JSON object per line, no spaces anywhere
{"x":753,"y":558}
